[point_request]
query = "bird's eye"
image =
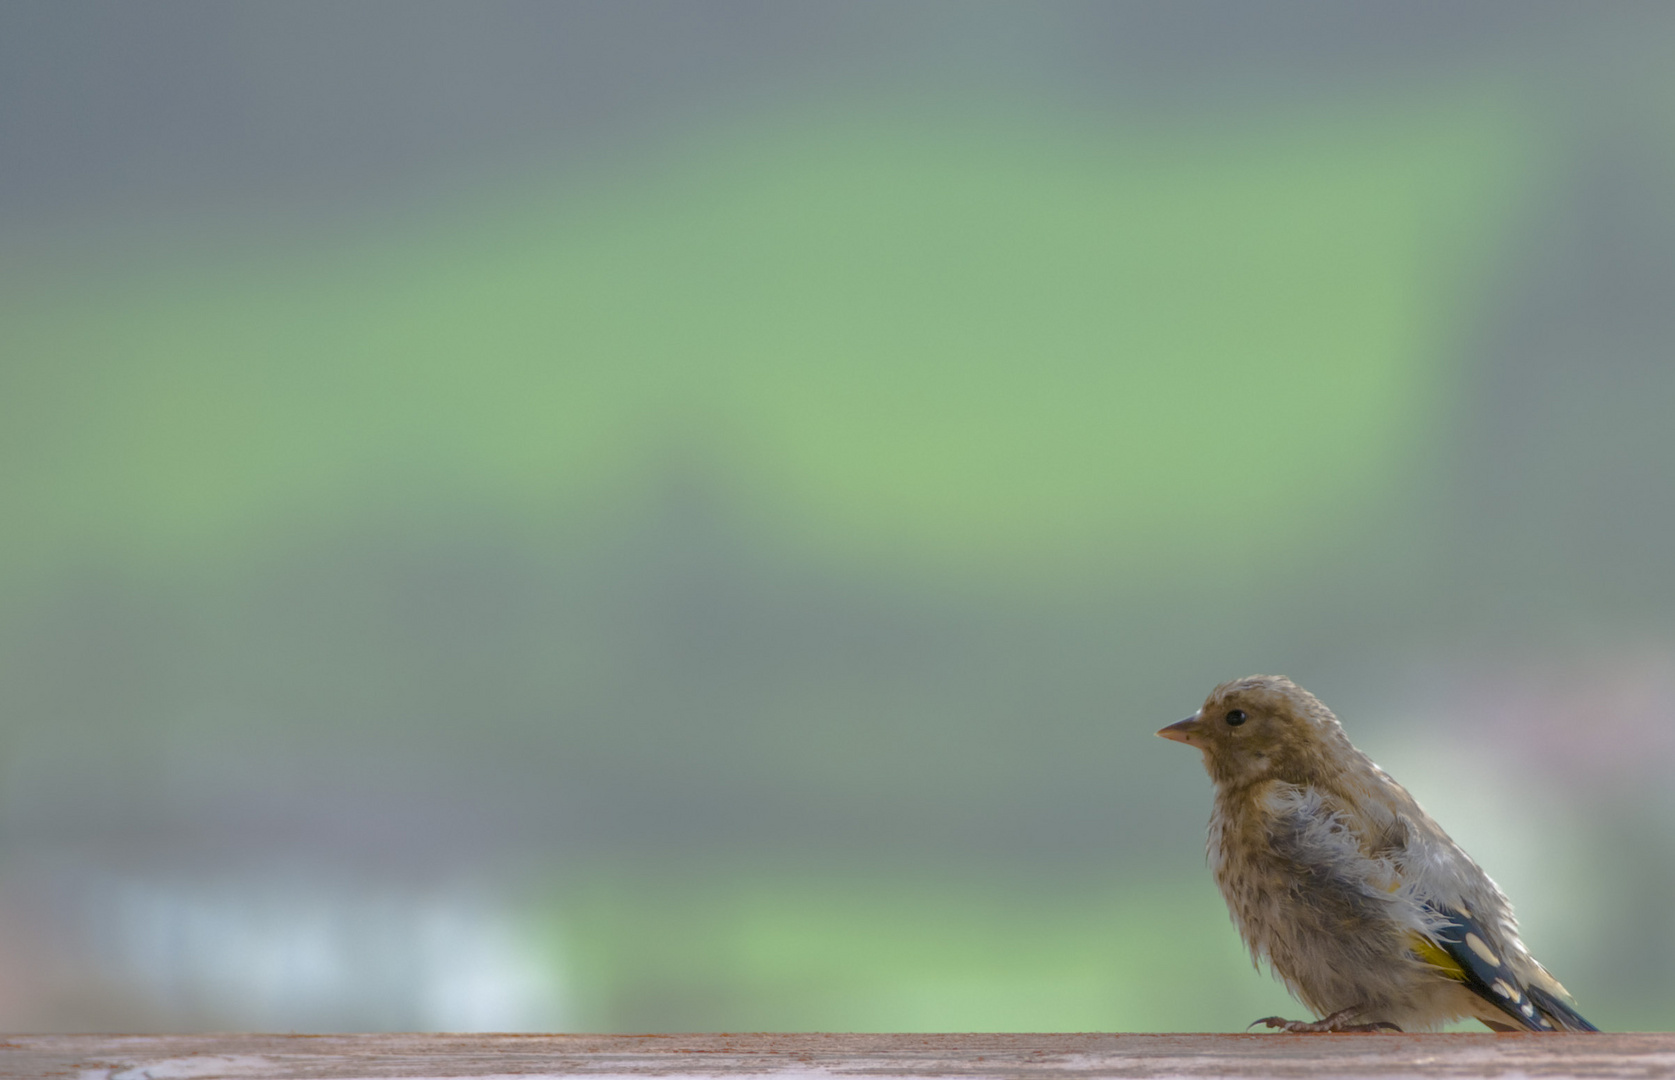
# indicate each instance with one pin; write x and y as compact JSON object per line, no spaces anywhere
{"x":1235,"y":717}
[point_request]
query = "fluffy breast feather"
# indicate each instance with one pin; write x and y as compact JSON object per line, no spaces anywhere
{"x":1312,"y":897}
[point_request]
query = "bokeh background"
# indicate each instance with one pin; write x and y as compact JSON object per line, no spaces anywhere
{"x":671,"y":516}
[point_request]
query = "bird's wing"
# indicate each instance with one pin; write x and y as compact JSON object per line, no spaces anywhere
{"x":1348,"y":885}
{"x":1459,"y":947}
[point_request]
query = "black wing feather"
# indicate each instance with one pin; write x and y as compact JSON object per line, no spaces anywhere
{"x":1487,"y":973}
{"x":1558,"y":1010}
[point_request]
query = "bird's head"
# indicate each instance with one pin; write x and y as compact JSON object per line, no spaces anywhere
{"x":1261,"y":727}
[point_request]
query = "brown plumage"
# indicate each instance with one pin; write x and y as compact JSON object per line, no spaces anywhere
{"x":1337,"y":879}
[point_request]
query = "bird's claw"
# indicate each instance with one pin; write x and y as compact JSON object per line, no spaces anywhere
{"x":1337,"y":1023}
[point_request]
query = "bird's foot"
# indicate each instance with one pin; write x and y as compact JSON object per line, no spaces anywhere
{"x":1337,"y":1023}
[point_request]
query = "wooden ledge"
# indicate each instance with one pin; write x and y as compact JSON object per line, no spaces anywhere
{"x":337,"y":1057}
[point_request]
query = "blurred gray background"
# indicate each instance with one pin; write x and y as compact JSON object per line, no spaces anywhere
{"x":679,"y":516}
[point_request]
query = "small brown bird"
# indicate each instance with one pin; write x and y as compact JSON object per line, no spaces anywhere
{"x":1335,"y":877}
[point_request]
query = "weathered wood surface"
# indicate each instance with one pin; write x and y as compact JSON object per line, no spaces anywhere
{"x":319,"y":1057}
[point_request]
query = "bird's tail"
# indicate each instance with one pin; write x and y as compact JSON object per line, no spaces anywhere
{"x":1558,"y":1011}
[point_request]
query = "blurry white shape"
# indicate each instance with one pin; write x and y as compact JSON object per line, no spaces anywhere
{"x":491,"y":983}
{"x":1532,"y":848}
{"x":315,"y":955}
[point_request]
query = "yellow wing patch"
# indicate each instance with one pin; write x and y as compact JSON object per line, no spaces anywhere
{"x":1430,"y":952}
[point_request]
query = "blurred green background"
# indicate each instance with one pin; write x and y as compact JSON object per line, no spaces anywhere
{"x":685,"y":516}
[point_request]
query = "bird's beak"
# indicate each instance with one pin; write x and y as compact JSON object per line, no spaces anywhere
{"x":1185,"y":731}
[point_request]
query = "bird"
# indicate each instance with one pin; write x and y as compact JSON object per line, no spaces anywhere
{"x":1345,"y":888}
